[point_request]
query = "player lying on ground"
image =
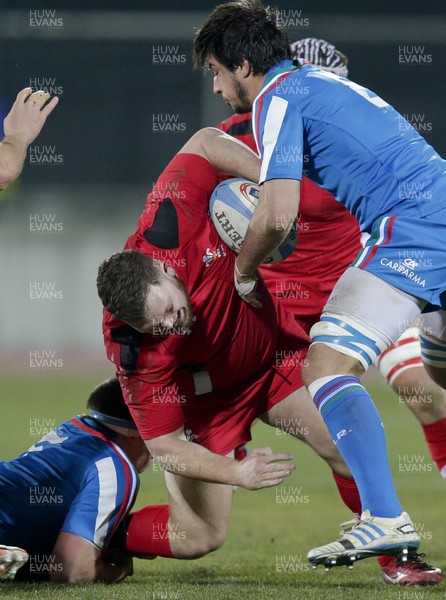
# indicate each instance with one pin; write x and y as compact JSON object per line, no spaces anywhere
{"x":196,"y":363}
{"x":21,"y":126}
{"x":372,"y":166}
{"x":328,"y":241}
{"x":64,"y":498}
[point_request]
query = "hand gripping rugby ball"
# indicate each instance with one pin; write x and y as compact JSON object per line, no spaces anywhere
{"x":231,"y":206}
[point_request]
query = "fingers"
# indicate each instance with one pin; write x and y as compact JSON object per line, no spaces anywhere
{"x":50,"y":106}
{"x":260,"y":451}
{"x":253,"y":299}
{"x":270,"y":483}
{"x":24,"y":94}
{"x":279,"y":469}
{"x":39,"y":97}
{"x":277,"y":457}
{"x":275,"y":477}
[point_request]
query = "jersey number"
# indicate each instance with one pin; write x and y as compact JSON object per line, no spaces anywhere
{"x":362,"y":91}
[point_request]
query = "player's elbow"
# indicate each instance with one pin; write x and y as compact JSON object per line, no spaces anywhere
{"x":165,"y":446}
{"x":159,"y":447}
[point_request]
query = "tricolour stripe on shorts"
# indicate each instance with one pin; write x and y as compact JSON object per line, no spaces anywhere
{"x":367,"y":249}
{"x":385,"y":234}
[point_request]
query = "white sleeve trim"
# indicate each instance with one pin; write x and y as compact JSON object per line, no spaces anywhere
{"x":273,"y":124}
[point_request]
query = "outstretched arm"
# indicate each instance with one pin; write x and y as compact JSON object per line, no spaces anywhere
{"x":22,"y":125}
{"x":261,"y":468}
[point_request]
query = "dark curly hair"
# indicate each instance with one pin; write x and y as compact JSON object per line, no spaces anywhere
{"x":242,"y":29}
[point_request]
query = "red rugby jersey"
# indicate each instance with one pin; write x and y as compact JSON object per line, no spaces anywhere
{"x":229,"y":339}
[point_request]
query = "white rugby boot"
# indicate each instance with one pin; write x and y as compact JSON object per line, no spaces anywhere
{"x":372,"y":536}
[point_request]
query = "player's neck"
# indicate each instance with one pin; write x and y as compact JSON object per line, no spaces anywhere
{"x":254,"y":86}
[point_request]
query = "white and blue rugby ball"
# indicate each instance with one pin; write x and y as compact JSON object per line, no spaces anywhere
{"x":231,"y":207}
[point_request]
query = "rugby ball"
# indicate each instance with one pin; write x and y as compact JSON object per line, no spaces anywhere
{"x":231,"y":207}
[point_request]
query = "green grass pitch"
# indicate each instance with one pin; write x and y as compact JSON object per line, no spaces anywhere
{"x":264,"y":556}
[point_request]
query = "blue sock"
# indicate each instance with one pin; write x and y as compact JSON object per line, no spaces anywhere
{"x":356,"y":428}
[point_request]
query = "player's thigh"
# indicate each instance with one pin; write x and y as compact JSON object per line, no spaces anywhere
{"x":202,"y":510}
{"x":363,"y":316}
{"x":432,"y":333}
{"x":297,"y":415}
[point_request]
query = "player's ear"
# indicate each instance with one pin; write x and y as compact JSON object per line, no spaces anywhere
{"x":169,"y":270}
{"x":245,"y":68}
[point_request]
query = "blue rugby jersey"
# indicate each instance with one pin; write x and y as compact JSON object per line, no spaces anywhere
{"x":349,"y":141}
{"x":74,"y":479}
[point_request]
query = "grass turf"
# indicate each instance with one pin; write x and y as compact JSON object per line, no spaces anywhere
{"x":271,"y":531}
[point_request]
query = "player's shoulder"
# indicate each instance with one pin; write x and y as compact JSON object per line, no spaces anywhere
{"x":66,"y":449}
{"x":99,"y":451}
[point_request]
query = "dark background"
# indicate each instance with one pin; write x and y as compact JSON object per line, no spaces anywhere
{"x":111,"y":91}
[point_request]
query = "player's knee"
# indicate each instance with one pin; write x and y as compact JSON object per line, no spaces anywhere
{"x":324,"y":361}
{"x":203,"y":541}
{"x":200,"y":141}
{"x":214,"y":540}
{"x":400,"y":357}
{"x":308,"y":373}
{"x":341,"y":345}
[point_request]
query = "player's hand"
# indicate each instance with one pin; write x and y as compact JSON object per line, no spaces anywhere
{"x":120,"y":567}
{"x":126,"y":569}
{"x":246,"y":286}
{"x":263,"y":468}
{"x":28,"y":115}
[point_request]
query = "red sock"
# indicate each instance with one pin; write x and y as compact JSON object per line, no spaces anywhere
{"x":385,"y":560}
{"x":349,"y":492}
{"x":435,"y":435}
{"x":148,"y":532}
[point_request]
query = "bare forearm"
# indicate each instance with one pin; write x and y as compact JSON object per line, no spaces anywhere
{"x":192,"y":460}
{"x":261,"y":468}
{"x":260,"y":240}
{"x":12,"y":158}
{"x":270,"y":224}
